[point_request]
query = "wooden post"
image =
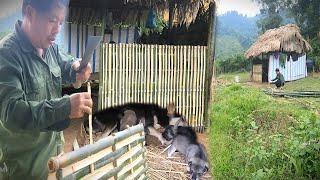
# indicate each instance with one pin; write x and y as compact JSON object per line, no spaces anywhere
{"x":209,"y":62}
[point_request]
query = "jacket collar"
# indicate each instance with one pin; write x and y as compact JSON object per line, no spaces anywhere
{"x":25,"y":44}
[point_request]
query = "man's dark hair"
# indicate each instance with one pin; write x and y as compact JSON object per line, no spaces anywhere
{"x":277,"y":70}
{"x":43,"y":5}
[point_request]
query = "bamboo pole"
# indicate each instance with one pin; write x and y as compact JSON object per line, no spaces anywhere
{"x":167,"y":84}
{"x":187,"y":106}
{"x":120,"y":71}
{"x":175,"y":73}
{"x":130,"y":75}
{"x":184,"y":82}
{"x":180,"y":78}
{"x":160,"y":75}
{"x":148,"y":72}
{"x":172,"y":56}
{"x":109,"y":79}
{"x":109,"y":158}
{"x":192,"y":95}
{"x":114,"y":72}
{"x":140,"y":74}
{"x":66,"y":159}
{"x":152,"y":75}
{"x":198,"y":92}
{"x":156,"y":74}
{"x":126,"y":73}
{"x":90,"y":126}
{"x":101,"y":78}
{"x":136,"y":70}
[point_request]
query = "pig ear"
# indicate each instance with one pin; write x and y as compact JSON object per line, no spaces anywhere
{"x":206,"y":167}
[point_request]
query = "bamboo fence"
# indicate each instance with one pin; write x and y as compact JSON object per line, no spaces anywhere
{"x":159,"y":74}
{"x":119,"y":156}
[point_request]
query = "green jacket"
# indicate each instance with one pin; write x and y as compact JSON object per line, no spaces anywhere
{"x":280,"y":77}
{"x":31,"y":106}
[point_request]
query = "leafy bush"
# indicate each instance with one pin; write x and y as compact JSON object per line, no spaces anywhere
{"x":315,"y":54}
{"x":237,"y":63}
{"x":254,"y":136}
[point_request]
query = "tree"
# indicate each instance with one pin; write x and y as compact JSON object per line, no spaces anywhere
{"x":271,"y":17}
{"x":306,"y":14}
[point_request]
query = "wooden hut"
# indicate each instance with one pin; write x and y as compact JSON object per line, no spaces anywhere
{"x":282,"y":48}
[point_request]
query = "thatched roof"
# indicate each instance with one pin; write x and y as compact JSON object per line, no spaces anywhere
{"x":132,"y":11}
{"x":285,"y":39}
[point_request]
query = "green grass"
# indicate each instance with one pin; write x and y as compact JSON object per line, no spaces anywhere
{"x":254,"y":136}
{"x":306,"y":84}
{"x":230,"y":77}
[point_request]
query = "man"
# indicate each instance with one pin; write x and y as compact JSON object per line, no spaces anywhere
{"x":32,"y":111}
{"x":278,"y":80}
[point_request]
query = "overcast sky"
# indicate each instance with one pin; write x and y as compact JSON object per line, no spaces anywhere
{"x":245,"y":7}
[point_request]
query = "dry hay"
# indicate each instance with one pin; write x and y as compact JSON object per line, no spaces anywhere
{"x":162,"y":168}
{"x":159,"y":166}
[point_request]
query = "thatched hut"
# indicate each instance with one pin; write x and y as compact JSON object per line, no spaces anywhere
{"x":282,"y":48}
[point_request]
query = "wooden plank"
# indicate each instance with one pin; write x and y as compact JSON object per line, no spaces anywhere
{"x":209,"y":61}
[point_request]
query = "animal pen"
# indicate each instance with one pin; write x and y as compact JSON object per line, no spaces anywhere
{"x":155,"y":74}
{"x":141,"y":73}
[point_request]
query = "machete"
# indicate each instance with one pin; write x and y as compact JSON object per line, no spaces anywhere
{"x":92,"y":44}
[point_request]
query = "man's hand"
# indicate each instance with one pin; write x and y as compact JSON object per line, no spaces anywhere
{"x":81,"y":103}
{"x":83,"y":75}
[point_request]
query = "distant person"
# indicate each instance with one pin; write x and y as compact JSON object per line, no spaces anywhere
{"x":278,"y":80}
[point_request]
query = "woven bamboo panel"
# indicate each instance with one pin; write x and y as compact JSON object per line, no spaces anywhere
{"x":158,"y":74}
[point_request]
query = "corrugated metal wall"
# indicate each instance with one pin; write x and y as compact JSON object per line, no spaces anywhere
{"x":73,"y":38}
{"x":292,"y":70}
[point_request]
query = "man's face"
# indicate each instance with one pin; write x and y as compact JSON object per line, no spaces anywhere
{"x":46,"y":26}
{"x":277,"y":72}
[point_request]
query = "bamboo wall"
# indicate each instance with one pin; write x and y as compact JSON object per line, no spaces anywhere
{"x":154,"y":74}
{"x":121,"y":156}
